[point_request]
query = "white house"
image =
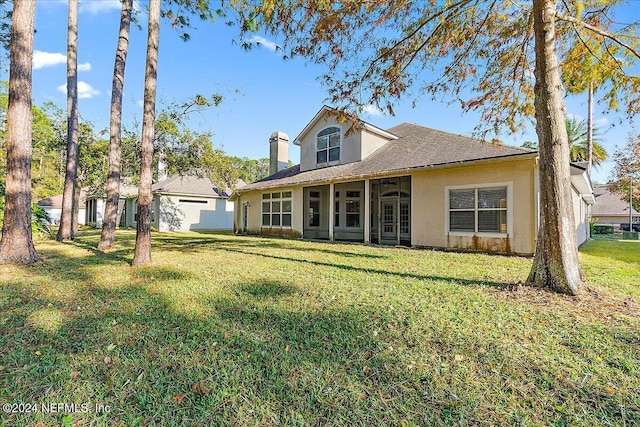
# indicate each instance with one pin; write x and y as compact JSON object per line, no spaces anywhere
{"x":179,"y":203}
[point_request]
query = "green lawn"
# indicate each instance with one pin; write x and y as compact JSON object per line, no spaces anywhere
{"x":225,"y":330}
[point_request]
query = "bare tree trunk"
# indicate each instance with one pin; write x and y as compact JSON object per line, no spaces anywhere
{"x":142,"y":253}
{"x":77,"y":188}
{"x":16,"y":245}
{"x":590,"y":129}
{"x":110,"y":221}
{"x":555,"y":264}
{"x":65,"y":232}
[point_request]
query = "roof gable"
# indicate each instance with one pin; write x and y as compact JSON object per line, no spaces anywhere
{"x":326,"y":110}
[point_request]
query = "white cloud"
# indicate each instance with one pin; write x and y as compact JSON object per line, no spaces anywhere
{"x":140,"y":103}
{"x":576,"y":117}
{"x":51,"y":59}
{"x":95,"y":7}
{"x":371,"y":110}
{"x":47,"y":59}
{"x":85,"y":90}
{"x":601,"y":122}
{"x":264,"y":42}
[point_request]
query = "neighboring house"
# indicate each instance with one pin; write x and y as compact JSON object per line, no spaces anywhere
{"x":53,"y":206}
{"x":408,"y":185}
{"x":610,"y":208}
{"x":95,"y":206}
{"x":179,"y":203}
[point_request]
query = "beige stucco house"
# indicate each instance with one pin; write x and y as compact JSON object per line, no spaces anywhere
{"x":408,"y":185}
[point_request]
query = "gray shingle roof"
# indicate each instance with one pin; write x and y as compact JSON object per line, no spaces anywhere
{"x":55,"y":202}
{"x":609,"y":204}
{"x":191,"y":185}
{"x":416,"y":147}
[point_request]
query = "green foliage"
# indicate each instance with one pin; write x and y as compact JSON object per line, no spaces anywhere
{"x":626,"y":170}
{"x":40,"y":220}
{"x":577,"y":132}
{"x":596,"y":60}
{"x":250,"y":170}
{"x":602,"y":229}
{"x":577,"y":135}
{"x":5,"y":27}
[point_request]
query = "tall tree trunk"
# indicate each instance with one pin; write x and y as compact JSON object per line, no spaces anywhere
{"x":65,"y":232}
{"x":589,"y":158}
{"x":555,"y":264}
{"x":77,"y":189}
{"x":110,"y":221}
{"x":142,"y":253}
{"x":16,"y":245}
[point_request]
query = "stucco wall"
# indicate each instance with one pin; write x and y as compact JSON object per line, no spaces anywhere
{"x":254,"y":201}
{"x":193,"y":213}
{"x":580,"y":210}
{"x":354,"y":147}
{"x":428,"y":207}
{"x":429,"y":213}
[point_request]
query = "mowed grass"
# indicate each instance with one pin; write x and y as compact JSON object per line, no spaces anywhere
{"x":227,"y":330}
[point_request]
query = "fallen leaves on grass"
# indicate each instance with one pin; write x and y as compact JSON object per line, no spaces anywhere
{"x":179,"y":398}
{"x":200,"y":388}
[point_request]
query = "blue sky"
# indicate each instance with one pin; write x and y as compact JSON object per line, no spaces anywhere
{"x":263,"y":93}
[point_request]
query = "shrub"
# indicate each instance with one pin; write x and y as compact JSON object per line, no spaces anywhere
{"x":40,"y":220}
{"x":602,"y":229}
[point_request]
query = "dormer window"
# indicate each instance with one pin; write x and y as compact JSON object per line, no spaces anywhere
{"x":328,"y":146}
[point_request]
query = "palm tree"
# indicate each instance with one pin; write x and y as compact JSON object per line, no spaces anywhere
{"x":577,"y":133}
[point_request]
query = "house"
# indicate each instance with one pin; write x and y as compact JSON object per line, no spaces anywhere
{"x":179,"y":203}
{"x":53,"y":207}
{"x":408,"y":185}
{"x":610,"y":208}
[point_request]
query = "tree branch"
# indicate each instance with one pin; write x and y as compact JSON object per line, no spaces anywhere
{"x":598,"y":31}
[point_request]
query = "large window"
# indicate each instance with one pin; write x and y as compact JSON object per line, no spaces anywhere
{"x":276,"y":209}
{"x":328,"y":146}
{"x":478,"y":209}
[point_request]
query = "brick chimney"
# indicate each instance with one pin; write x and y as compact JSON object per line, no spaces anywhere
{"x":278,"y":152}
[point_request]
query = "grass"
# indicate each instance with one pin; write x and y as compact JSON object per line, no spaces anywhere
{"x":226,"y":330}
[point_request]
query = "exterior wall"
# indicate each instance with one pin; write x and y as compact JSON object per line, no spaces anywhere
{"x":130,"y":212}
{"x":615,"y":219}
{"x":370,"y":143}
{"x":173,"y":212}
{"x":581,"y":216}
{"x":253,"y":201}
{"x":353,"y":148}
{"x":55,"y":214}
{"x":430,"y":215}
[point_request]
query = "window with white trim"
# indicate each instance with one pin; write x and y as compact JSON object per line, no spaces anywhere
{"x":478,"y":210}
{"x":328,"y":146}
{"x":276,"y":209}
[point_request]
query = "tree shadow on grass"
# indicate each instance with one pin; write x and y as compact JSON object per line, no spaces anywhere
{"x":248,"y":361}
{"x":224,"y":241}
{"x":346,"y":267}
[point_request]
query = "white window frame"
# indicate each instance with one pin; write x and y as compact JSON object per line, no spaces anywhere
{"x":509,"y":232}
{"x":281,"y":200}
{"x":317,"y":150}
